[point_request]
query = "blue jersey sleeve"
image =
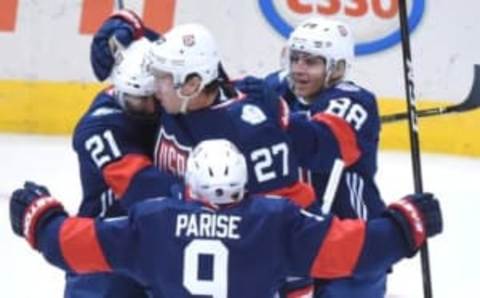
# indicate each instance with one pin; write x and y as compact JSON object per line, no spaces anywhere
{"x":326,"y":247}
{"x":86,"y":245}
{"x":358,"y":107}
{"x":322,"y":139}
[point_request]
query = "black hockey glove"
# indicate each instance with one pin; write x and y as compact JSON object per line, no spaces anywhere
{"x":419,"y":216}
{"x":30,"y":208}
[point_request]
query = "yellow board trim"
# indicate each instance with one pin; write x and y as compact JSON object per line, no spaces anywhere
{"x":43,"y":107}
{"x":457,"y":133}
{"x":54,"y":108}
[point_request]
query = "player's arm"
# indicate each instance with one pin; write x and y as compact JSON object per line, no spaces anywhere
{"x":319,"y":140}
{"x":122,"y":157}
{"x":116,"y":32}
{"x":360,"y":111}
{"x":326,"y":247}
{"x":71,"y":243}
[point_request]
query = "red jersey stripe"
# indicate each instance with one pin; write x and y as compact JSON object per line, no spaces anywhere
{"x":347,"y":140}
{"x":301,"y":193}
{"x":120,"y":173}
{"x":340,"y":249}
{"x":80,"y":247}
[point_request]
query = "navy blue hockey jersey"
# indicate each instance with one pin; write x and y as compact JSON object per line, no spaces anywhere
{"x":186,"y":249}
{"x":274,"y":143}
{"x":115,"y":157}
{"x":357,"y":193}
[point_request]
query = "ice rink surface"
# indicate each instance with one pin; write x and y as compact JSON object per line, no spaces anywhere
{"x":454,"y":255}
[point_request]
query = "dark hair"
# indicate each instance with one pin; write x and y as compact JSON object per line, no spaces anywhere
{"x":222,"y":81}
{"x":225,"y":83}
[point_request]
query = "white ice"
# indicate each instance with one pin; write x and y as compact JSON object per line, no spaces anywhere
{"x":453,"y":255}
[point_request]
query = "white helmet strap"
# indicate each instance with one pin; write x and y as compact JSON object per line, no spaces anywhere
{"x":186,"y":99}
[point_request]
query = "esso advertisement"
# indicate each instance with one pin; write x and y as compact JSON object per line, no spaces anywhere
{"x":375,"y":23}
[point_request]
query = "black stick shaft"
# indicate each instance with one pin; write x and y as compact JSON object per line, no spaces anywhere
{"x":414,"y":136}
{"x":120,"y":4}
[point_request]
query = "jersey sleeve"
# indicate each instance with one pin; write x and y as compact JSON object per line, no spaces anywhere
{"x":327,"y":247}
{"x":358,"y":108}
{"x":72,"y":244}
{"x":87,"y":245}
{"x":322,"y":139}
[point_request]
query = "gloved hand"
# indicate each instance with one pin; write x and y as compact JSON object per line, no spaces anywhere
{"x":116,"y":32}
{"x":30,"y":207}
{"x":251,"y":86}
{"x":419,"y":216}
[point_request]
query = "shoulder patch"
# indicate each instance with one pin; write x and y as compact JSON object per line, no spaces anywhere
{"x":253,"y":114}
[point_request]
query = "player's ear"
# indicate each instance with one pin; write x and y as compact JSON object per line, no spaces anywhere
{"x":192,"y":85}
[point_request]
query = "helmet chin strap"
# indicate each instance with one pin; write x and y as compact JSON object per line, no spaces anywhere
{"x":330,"y":70}
{"x":186,"y":99}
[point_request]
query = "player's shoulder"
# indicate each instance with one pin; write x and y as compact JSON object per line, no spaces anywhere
{"x":277,"y":79}
{"x":254,"y":111}
{"x":155,"y":206}
{"x":103,"y":110}
{"x":270,"y":204}
{"x":249,"y":110}
{"x":353,"y":91}
{"x":105,"y":114}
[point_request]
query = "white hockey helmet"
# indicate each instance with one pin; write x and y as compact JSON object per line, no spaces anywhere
{"x":130,"y":75}
{"x":186,"y":50}
{"x":330,"y":39}
{"x":217,"y":172}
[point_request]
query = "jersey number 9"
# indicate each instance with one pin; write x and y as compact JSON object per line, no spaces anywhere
{"x":217,"y":286}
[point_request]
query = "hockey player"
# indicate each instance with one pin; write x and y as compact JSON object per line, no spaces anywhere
{"x":222,"y":242}
{"x":318,"y":56}
{"x":114,"y":144}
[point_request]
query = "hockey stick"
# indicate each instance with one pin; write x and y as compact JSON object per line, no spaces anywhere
{"x":471,"y":102}
{"x":120,"y":4}
{"x":332,"y":185}
{"x":414,"y":136}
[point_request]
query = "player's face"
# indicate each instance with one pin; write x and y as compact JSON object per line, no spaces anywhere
{"x":308,"y":73}
{"x":140,"y":105}
{"x":166,"y":92}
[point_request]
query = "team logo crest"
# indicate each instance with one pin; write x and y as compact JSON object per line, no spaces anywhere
{"x":170,"y":155}
{"x":189,"y":40}
{"x":253,"y":114}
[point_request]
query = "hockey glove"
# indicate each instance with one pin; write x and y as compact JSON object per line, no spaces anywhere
{"x":30,"y":208}
{"x":419,"y":216}
{"x":116,"y":32}
{"x":251,"y":86}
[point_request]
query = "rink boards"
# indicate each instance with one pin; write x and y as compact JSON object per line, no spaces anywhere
{"x":53,"y":108}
